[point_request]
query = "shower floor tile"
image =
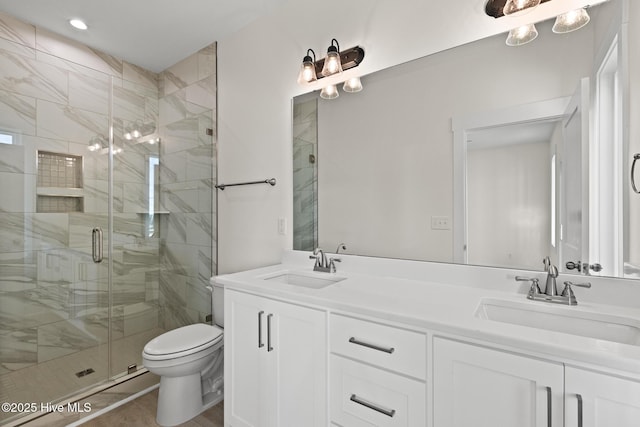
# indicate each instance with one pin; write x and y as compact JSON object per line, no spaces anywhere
{"x":55,"y":379}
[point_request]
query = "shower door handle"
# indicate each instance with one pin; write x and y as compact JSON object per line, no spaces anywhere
{"x":96,"y":244}
{"x":633,"y":173}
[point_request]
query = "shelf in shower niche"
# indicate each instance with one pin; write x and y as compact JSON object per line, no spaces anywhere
{"x":59,"y":192}
{"x":154,"y":213}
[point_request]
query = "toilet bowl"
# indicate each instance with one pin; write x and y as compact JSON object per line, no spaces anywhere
{"x":189,"y":362}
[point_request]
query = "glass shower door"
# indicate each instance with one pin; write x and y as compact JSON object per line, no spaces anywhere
{"x":54,"y":299}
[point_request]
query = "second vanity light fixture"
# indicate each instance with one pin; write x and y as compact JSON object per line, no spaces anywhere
{"x":565,"y":23}
{"x":334,"y":63}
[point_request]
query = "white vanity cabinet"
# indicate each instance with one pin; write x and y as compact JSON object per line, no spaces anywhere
{"x":378,"y":374}
{"x":275,"y":363}
{"x":599,"y":400}
{"x":482,"y":387}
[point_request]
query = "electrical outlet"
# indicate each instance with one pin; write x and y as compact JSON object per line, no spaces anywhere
{"x":440,"y":223}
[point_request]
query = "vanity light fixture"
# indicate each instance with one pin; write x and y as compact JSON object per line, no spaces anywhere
{"x":308,"y":68}
{"x":312,"y":70}
{"x":522,"y":35}
{"x":329,"y":92}
{"x":332,"y":62}
{"x":352,"y":85}
{"x":78,"y":24}
{"x":571,"y":21}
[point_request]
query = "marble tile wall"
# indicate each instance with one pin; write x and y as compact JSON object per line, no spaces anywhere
{"x":187,"y":108}
{"x":54,"y":96}
{"x":305,"y":175}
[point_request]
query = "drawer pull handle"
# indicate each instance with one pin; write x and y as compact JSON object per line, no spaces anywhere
{"x":389,"y":350}
{"x":359,"y":401}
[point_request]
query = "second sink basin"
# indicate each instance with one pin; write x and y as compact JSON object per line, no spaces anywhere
{"x":562,"y":319}
{"x":310,"y":280}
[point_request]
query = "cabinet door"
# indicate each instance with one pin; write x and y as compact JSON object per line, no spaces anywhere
{"x":599,"y":400}
{"x":481,"y":387}
{"x":245,"y":362}
{"x":299,"y":360}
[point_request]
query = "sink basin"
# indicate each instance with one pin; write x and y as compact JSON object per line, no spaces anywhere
{"x":562,"y":319}
{"x":314,"y":281}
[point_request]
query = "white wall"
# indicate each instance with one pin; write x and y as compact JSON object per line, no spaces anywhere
{"x":257,"y":69}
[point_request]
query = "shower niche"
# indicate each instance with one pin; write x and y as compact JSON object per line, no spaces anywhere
{"x":59,"y":187}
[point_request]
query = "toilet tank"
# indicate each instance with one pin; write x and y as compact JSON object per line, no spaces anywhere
{"x":217,"y":302}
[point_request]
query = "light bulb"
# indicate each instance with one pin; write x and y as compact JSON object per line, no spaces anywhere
{"x":352,"y":85}
{"x":522,"y":35}
{"x":307,"y":70}
{"x":329,"y":92}
{"x":78,"y":24}
{"x":571,"y":21}
{"x":519,"y":7}
{"x":332,"y":64}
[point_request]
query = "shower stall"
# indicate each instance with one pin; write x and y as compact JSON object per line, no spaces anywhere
{"x":107,"y":230}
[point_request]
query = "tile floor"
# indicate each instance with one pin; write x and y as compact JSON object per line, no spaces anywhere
{"x":141,"y":412}
{"x":54,"y":379}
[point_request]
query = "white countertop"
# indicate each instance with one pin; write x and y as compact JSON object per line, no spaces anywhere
{"x":420,"y":296}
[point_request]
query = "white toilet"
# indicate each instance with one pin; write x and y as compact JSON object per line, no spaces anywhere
{"x":189,"y":363}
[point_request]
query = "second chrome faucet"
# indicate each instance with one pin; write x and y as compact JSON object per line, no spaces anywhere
{"x":550,"y":293}
{"x":322,"y":264}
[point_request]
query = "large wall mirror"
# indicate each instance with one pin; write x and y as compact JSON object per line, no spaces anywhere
{"x":483,"y":154}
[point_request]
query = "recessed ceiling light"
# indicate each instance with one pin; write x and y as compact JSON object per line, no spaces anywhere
{"x":78,"y":23}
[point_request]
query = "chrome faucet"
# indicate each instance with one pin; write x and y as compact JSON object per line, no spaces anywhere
{"x":550,"y":293}
{"x":551,"y":288}
{"x":322,"y":264}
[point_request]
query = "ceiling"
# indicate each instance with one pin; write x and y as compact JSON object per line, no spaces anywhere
{"x":153,"y":34}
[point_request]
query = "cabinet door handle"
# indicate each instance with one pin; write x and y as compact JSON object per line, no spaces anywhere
{"x":579,"y":410}
{"x":269,"y":348}
{"x":260,"y":343}
{"x":389,"y":350}
{"x":549,"y":400}
{"x":365,"y":403}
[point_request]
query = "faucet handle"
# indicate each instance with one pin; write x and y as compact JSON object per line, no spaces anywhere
{"x":332,"y":266}
{"x":535,"y":284}
{"x":569,"y":284}
{"x":568,"y":292}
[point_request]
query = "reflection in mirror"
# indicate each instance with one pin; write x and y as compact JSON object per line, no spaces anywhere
{"x":391,"y":170}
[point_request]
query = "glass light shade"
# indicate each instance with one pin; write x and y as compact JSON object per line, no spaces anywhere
{"x":522,"y":35}
{"x":352,"y":85}
{"x":329,"y":92}
{"x":571,"y":21}
{"x":307,"y":72}
{"x":519,"y":7}
{"x":332,"y":63}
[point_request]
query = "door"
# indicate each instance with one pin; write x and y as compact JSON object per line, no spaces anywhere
{"x":574,"y":213}
{"x":299,"y":360}
{"x":480,"y":387}
{"x":245,"y":366}
{"x":597,"y":400}
{"x":275,"y":363}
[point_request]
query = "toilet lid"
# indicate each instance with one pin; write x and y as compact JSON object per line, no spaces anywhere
{"x":183,"y":339}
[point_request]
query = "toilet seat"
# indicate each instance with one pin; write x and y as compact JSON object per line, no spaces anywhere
{"x":182,"y":342}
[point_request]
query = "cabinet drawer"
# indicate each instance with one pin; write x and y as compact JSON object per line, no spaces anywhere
{"x":385,"y":346}
{"x":362,"y":395}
